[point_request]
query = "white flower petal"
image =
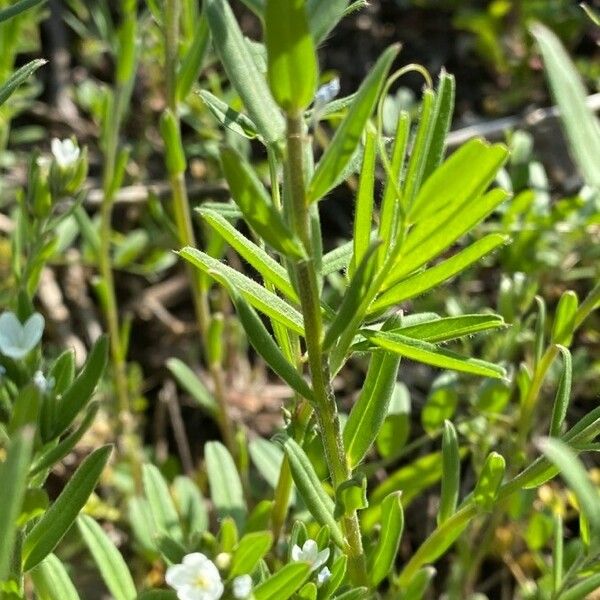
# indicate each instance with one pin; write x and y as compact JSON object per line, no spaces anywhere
{"x":177,"y":576}
{"x":242,"y":587}
{"x":310,"y":550}
{"x":323,"y":576}
{"x":296,"y":553}
{"x":197,"y":560}
{"x":321,"y":559}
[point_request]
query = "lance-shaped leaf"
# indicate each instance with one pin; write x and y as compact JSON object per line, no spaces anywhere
{"x":350,"y":311}
{"x":565,"y":318}
{"x":80,"y":391}
{"x":395,"y":430}
{"x":430,"y":278}
{"x":283,"y":584}
{"x":262,"y":341}
{"x":369,"y":411}
{"x":347,"y":137}
{"x":225,"y":485}
{"x":363,"y":217}
{"x":263,"y":300}
{"x":232,"y":119}
{"x":581,"y":125}
{"x":13,"y":479}
{"x":292,"y":61}
{"x":164,"y":513}
{"x":443,"y":111}
{"x":242,"y":70}
{"x":450,"y":473}
{"x":193,"y":385}
{"x":392,"y":525}
{"x":563,"y":394}
{"x":51,"y":528}
{"x":51,"y":580}
{"x":250,"y":195}
{"x":320,"y":505}
{"x":17,"y":8}
{"x":110,"y":562}
{"x":191,"y":63}
{"x":451,"y":328}
{"x":323,"y":16}
{"x":17,"y":78}
{"x":574,"y":473}
{"x":432,"y":355}
{"x":419,"y":584}
{"x":490,"y":480}
{"x":465,"y":175}
{"x":269,"y":268}
{"x":432,"y":236}
{"x":249,"y":552}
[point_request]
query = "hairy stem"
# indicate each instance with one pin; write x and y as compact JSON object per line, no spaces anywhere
{"x":326,"y":408}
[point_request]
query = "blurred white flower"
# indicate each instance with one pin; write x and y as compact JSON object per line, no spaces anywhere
{"x":65,"y":152}
{"x":323,"y":576}
{"x":43,"y":385}
{"x":326,"y":93}
{"x":310,"y":553}
{"x":197,"y":578}
{"x":242,"y":587}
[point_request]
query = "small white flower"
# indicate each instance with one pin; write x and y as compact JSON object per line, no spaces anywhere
{"x":242,"y":587}
{"x":65,"y":152}
{"x":323,"y":576}
{"x":196,"y":578}
{"x":43,"y":385}
{"x":310,"y":554}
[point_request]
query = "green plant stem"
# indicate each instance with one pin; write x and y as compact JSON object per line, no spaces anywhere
{"x":325,"y":404}
{"x":108,"y":293}
{"x":184,"y":225}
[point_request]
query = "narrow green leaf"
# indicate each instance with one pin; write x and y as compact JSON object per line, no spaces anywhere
{"x":190,"y":505}
{"x":347,"y":137}
{"x":432,"y":236}
{"x":419,"y":584}
{"x":391,"y":201}
{"x":450,"y":473}
{"x":18,"y":77}
{"x":251,"y":196}
{"x":420,"y":150}
{"x":192,"y":384}
{"x":269,"y":268}
{"x":337,"y":259}
{"x":226,"y":116}
{"x":565,"y":319}
{"x":52,"y":456}
{"x":583,"y":588}
{"x":581,"y":125}
{"x":249,"y":552}
{"x":51,"y":580}
{"x":266,"y":302}
{"x":263,"y":343}
{"x":17,"y":8}
{"x":161,"y":503}
{"x":80,"y":391}
{"x":225,"y":485}
{"x":465,"y":175}
{"x":191,"y":64}
{"x":443,"y":111}
{"x":324,"y":16}
{"x":392,"y":526}
{"x":320,"y":505}
{"x":371,"y":408}
{"x":13,"y":478}
{"x":349,"y":314}
{"x":431,"y":278}
{"x":574,"y":473}
{"x":268,"y":458}
{"x":363,"y":217}
{"x":432,"y":355}
{"x":108,"y":559}
{"x":338,"y":573}
{"x":242,"y":70}
{"x":395,"y":430}
{"x":284,"y":583}
{"x":51,"y":528}
{"x":451,"y":328}
{"x":490,"y":480}
{"x":563,"y":394}
{"x":292,"y":61}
